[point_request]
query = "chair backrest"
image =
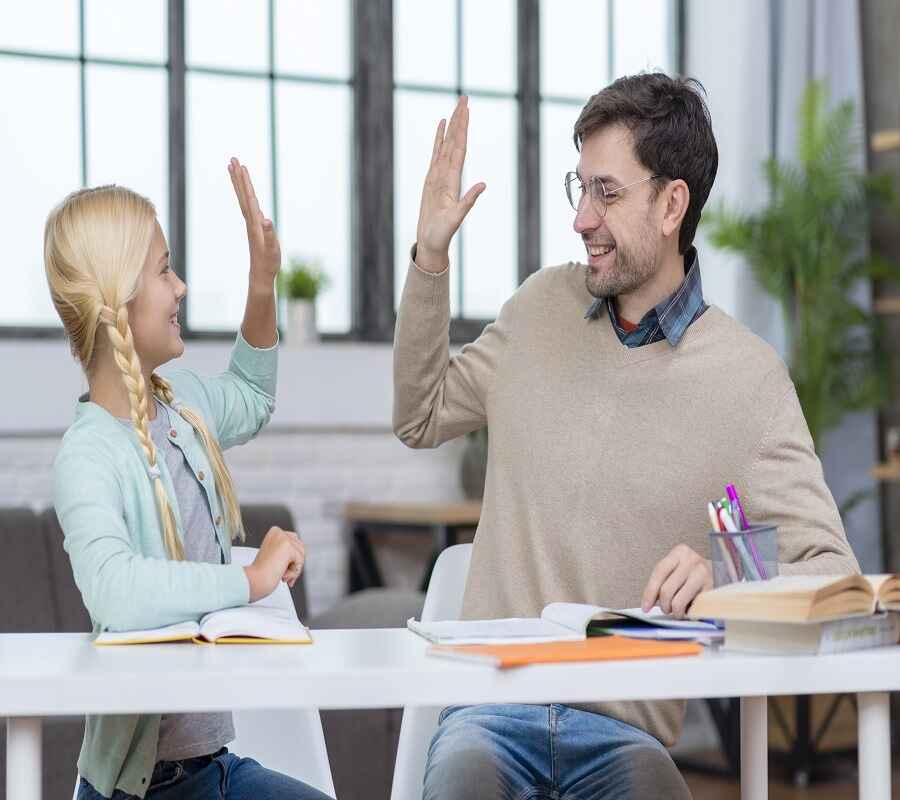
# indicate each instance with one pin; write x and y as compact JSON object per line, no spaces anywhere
{"x":288,"y":740}
{"x":257,"y":521}
{"x":442,"y":602}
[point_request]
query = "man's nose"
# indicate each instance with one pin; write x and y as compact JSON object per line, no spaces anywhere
{"x":586,"y":218}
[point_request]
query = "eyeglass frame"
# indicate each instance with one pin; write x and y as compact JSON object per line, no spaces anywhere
{"x":573,"y":175}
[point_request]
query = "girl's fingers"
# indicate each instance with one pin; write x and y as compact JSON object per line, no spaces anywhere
{"x":253,"y":203}
{"x":238,"y":190}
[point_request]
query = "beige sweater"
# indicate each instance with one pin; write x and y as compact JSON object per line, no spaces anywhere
{"x":602,"y":458}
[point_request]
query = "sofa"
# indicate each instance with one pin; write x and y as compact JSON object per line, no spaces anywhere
{"x":38,"y":595}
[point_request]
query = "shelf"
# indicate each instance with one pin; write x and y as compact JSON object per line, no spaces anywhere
{"x":886,"y":140}
{"x":886,"y":472}
{"x":887,"y":305}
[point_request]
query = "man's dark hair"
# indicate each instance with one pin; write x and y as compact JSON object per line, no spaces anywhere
{"x":672,"y":133}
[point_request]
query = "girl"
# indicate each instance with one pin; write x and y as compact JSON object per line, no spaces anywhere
{"x":140,"y":485}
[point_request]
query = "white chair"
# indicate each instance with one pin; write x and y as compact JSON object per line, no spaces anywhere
{"x":442,"y":602}
{"x":290,"y":741}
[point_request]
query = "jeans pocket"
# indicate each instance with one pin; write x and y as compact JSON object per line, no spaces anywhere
{"x":165,"y":775}
{"x":445,"y":712}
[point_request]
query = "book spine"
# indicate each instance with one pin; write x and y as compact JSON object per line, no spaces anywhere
{"x":859,"y":633}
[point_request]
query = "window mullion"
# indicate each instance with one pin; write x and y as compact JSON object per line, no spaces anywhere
{"x":529,"y":178}
{"x":373,"y":170}
{"x":177,"y":145}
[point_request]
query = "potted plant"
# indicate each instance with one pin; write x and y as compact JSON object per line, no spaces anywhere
{"x":299,"y":284}
{"x":808,"y":248}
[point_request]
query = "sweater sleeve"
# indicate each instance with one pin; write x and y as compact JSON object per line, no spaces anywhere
{"x":436,"y":397}
{"x":786,"y":487}
{"x":122,"y":589}
{"x":242,"y":399}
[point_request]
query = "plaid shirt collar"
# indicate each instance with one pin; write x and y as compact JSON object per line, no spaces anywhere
{"x":668,"y":320}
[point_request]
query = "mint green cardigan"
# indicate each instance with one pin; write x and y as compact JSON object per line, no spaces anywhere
{"x":105,"y":503}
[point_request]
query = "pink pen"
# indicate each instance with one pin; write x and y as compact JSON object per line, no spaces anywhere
{"x":742,"y":521}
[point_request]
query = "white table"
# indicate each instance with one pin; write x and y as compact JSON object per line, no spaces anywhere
{"x":63,"y":674}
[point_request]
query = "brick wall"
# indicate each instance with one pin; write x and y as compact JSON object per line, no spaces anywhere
{"x":311,"y":472}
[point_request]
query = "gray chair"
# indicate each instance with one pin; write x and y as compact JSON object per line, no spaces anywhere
{"x":38,"y":595}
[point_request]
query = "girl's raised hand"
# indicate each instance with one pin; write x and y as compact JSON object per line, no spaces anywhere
{"x":265,"y":251}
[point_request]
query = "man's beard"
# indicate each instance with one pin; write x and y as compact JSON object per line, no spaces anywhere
{"x":630,"y":271}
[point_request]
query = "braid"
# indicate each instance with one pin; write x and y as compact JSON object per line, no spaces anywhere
{"x":129,"y":364}
{"x":224,"y":484}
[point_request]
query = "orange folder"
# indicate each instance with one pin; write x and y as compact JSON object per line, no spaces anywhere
{"x":595,"y":648}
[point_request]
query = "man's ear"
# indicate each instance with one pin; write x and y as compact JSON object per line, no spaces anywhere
{"x":677,"y":196}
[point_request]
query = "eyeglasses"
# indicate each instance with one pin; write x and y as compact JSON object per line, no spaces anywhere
{"x":601,"y":197}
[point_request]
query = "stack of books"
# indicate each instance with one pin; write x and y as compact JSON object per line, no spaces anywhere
{"x":806,"y":614}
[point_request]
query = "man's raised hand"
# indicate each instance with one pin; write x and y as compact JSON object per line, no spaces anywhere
{"x":442,"y":210}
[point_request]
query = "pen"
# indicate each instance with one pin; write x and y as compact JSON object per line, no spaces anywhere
{"x":735,"y":554}
{"x":738,"y":511}
{"x":726,"y":555}
{"x":749,"y":567}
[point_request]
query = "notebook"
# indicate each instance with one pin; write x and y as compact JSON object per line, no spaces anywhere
{"x":800,"y":598}
{"x":603,"y":648}
{"x":270,"y":620}
{"x":558,"y":622}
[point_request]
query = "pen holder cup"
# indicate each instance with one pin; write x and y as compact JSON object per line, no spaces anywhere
{"x":748,"y":555}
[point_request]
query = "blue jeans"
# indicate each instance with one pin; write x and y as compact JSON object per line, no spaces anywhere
{"x":527,"y":752}
{"x":220,"y":776}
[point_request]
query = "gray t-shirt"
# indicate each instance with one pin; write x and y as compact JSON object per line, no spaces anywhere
{"x":189,"y":735}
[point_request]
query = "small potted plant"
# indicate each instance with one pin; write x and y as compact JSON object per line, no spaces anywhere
{"x":299,"y":284}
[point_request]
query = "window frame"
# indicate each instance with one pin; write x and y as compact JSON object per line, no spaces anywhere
{"x":372,"y":84}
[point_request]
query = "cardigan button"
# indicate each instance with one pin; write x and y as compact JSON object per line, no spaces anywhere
{"x":201,"y":475}
{"x":218,"y":520}
{"x":173,"y":433}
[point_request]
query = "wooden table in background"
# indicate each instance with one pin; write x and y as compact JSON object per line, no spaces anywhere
{"x":441,"y":521}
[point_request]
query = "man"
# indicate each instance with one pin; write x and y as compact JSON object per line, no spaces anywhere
{"x":618,"y":405}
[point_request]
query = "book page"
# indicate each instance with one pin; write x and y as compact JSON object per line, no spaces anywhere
{"x":179,"y":632}
{"x":493,"y":631}
{"x":577,"y":616}
{"x":254,"y":622}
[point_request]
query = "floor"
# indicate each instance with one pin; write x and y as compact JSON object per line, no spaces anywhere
{"x":707,"y":787}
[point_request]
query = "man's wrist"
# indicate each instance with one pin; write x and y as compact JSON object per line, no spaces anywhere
{"x":435,"y":262}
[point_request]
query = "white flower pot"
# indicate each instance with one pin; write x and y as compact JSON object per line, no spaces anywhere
{"x":301,"y":327}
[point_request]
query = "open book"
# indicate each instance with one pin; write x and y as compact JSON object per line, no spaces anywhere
{"x":270,"y":620}
{"x":561,"y":622}
{"x":800,"y":598}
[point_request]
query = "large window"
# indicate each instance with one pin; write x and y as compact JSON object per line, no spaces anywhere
{"x":269,"y":83}
{"x":445,"y":48}
{"x":83,"y":99}
{"x":333,"y":105}
{"x":584,"y":45}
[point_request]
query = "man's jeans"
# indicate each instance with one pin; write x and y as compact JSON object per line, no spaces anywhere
{"x":221,"y":776}
{"x":526,"y":752}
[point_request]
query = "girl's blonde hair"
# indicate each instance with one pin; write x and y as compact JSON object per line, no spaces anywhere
{"x":95,"y":244}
